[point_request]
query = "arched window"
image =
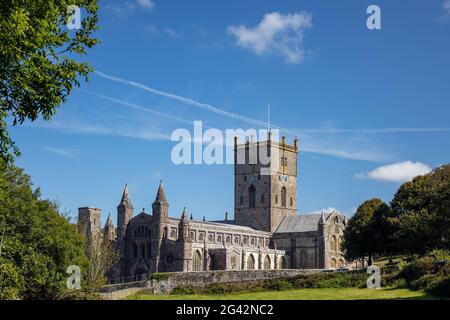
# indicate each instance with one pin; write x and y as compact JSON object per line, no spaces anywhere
{"x":282,"y":264}
{"x":341,"y":263}
{"x":333,"y":243}
{"x":210,"y":238}
{"x":250,"y":262}
{"x":283,"y":197}
{"x":149,"y":249}
{"x":135,"y":233}
{"x":252,"y":196}
{"x":142,"y":250}
{"x":241,"y":200}
{"x":253,"y":241}
{"x":142,"y":231}
{"x":267,"y":263}
{"x":135,"y":250}
{"x":228,"y":239}
{"x":262,"y":198}
{"x":173,"y":233}
{"x":165,"y":233}
{"x":219,"y":238}
{"x":291,"y":202}
{"x":236,"y":240}
{"x":192,"y":236}
{"x":276,"y":199}
{"x":333,"y":263}
{"x":197,"y":261}
{"x":201,"y":237}
{"x":245,"y":240}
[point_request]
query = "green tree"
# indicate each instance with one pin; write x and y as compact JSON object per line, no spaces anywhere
{"x":421,"y":213}
{"x":38,"y":69}
{"x":38,"y":244}
{"x":366,"y":232}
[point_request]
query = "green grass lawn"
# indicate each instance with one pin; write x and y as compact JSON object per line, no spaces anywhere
{"x":301,"y":294}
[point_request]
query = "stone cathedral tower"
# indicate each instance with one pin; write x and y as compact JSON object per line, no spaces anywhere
{"x":124,"y":214}
{"x":261,"y":201}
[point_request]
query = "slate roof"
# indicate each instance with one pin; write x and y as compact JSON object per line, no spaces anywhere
{"x":300,"y":223}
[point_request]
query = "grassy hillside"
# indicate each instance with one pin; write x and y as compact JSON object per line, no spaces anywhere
{"x":300,"y":294}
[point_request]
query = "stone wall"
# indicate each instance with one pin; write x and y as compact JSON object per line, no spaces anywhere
{"x":169,"y":281}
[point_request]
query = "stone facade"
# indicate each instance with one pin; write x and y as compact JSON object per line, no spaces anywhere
{"x":267,"y":233}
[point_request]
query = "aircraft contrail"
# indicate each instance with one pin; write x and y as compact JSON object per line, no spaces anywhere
{"x":201,"y":105}
{"x":211,"y":108}
{"x":139,"y":107}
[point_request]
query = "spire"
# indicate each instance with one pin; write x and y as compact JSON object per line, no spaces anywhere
{"x":109,"y":222}
{"x":322,"y":218}
{"x":126,"y":201}
{"x":184,"y":215}
{"x":160,"y":196}
{"x":226,"y":216}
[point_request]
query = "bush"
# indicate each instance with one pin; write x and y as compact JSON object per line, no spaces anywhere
{"x":184,"y":289}
{"x":426,"y":282}
{"x":160,"y":276}
{"x":278,"y":285}
{"x":441,"y":289}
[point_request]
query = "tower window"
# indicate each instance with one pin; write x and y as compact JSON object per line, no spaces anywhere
{"x":291,"y":202}
{"x":245,"y":178}
{"x":283,"y":197}
{"x":241,"y":200}
{"x":276,"y":199}
{"x":252,"y":196}
{"x":262,"y":198}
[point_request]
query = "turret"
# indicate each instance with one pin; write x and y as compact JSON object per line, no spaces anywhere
{"x":183,"y":227}
{"x":89,"y":221}
{"x":108,"y":230}
{"x":160,"y":206}
{"x":124,"y":214}
{"x":322,"y":242}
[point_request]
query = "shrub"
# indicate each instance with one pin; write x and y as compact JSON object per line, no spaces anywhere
{"x":441,"y":289}
{"x":183,"y":289}
{"x":426,"y":282}
{"x":278,"y":285}
{"x":160,"y":276}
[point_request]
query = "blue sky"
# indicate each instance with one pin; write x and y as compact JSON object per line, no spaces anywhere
{"x":370,"y":106}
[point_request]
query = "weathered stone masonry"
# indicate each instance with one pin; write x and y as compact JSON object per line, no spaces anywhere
{"x":267,"y":233}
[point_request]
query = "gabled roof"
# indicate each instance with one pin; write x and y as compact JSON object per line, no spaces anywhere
{"x":301,"y":223}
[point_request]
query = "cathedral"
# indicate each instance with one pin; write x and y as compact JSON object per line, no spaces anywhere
{"x":266,"y":232}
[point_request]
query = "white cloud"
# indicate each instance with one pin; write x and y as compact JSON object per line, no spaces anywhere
{"x":124,"y":8}
{"x":446,"y":15}
{"x":446,"y":7}
{"x":147,"y":4}
{"x":61,"y":152}
{"x":276,"y":33}
{"x":397,"y":172}
{"x":324,"y":210}
{"x":151,"y":134}
{"x":152,"y":29}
